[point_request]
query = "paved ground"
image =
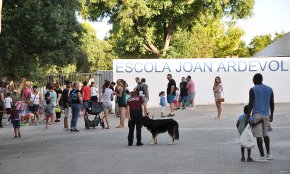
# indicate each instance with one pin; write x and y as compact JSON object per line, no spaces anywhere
{"x":206,"y":145}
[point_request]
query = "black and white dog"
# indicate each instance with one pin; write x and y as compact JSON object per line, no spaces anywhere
{"x":160,"y":126}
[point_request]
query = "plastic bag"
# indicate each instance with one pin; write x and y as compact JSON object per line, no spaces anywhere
{"x":247,"y":139}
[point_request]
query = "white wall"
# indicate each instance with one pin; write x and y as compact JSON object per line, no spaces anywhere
{"x":236,"y":75}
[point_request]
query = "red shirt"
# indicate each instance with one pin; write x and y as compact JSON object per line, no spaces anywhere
{"x":86,"y":91}
{"x":135,"y":102}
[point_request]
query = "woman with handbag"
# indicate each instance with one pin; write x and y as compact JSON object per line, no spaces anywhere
{"x":218,"y":91}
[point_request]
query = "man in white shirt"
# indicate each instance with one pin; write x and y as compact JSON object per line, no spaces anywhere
{"x":94,"y":92}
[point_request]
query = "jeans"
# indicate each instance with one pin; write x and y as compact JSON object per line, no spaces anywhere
{"x":75,"y":108}
{"x":136,"y":119}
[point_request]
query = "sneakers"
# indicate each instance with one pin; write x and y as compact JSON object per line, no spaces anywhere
{"x":139,"y":144}
{"x":261,"y":159}
{"x":269,"y":156}
{"x":249,"y":159}
{"x":74,"y":130}
{"x":170,"y":115}
{"x":243,"y":159}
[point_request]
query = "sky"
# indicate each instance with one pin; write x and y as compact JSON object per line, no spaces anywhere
{"x":269,"y":16}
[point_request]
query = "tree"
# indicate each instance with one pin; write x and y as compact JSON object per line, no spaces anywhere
{"x":259,"y":42}
{"x":148,"y":26}
{"x":38,"y":35}
{"x":98,"y":53}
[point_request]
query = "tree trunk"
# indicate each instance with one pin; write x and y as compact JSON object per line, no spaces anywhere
{"x":168,"y":36}
{"x":150,"y":47}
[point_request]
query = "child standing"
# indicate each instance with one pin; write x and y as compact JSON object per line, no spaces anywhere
{"x":241,"y":125}
{"x":8,"y":105}
{"x":48,"y":109}
{"x":162,"y":102}
{"x":176,"y":99}
{"x":15,"y":120}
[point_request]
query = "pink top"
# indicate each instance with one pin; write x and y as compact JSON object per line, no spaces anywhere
{"x":26,"y":92}
{"x":18,"y":105}
{"x":190,"y":86}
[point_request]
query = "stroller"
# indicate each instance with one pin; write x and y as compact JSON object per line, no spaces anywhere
{"x":93,"y":108}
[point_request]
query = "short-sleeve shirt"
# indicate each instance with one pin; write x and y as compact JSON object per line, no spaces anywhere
{"x":171,"y":83}
{"x":191,"y":86}
{"x":94,"y":91}
{"x":59,"y":91}
{"x":53,"y":98}
{"x":65,"y":96}
{"x":107,"y":95}
{"x":135,"y":102}
{"x":8,"y":102}
{"x":87,"y":91}
{"x":183,"y":89}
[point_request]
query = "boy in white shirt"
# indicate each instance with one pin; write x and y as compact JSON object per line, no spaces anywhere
{"x":8,"y":105}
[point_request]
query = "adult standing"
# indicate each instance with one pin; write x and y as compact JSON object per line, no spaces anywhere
{"x":218,"y":90}
{"x":2,"y":105}
{"x":107,"y":102}
{"x":135,"y":118}
{"x":36,"y":97}
{"x":86,"y":91}
{"x":76,"y":100}
{"x":94,"y":92}
{"x":261,"y":104}
{"x":121,"y":98}
{"x":183,"y":92}
{"x":53,"y":99}
{"x":66,"y":104}
{"x":191,"y":92}
{"x":138,"y":81}
{"x":59,"y":101}
{"x":171,"y":92}
{"x":142,"y":90}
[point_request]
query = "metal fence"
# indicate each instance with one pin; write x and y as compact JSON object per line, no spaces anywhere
{"x":98,"y":77}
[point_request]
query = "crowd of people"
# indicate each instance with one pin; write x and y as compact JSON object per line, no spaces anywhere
{"x":26,"y":103}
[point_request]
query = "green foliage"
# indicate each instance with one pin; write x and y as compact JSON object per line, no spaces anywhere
{"x":146,"y":28}
{"x":98,"y":53}
{"x":259,"y":42}
{"x":36,"y":35}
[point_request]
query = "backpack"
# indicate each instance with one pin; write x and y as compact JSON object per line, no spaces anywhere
{"x":74,"y":95}
{"x":141,"y":90}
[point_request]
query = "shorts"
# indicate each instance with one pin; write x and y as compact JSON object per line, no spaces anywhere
{"x":145,"y":100}
{"x":16,"y":124}
{"x":67,"y":112}
{"x":34,"y":108}
{"x":183,"y":99}
{"x":170,"y":98}
{"x":107,"y":107}
{"x":121,"y":105}
{"x":8,"y":111}
{"x":49,"y":116}
{"x":175,"y":102}
{"x":191,"y":95}
{"x":261,"y":130}
{"x":217,"y":96}
{"x":162,"y":108}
